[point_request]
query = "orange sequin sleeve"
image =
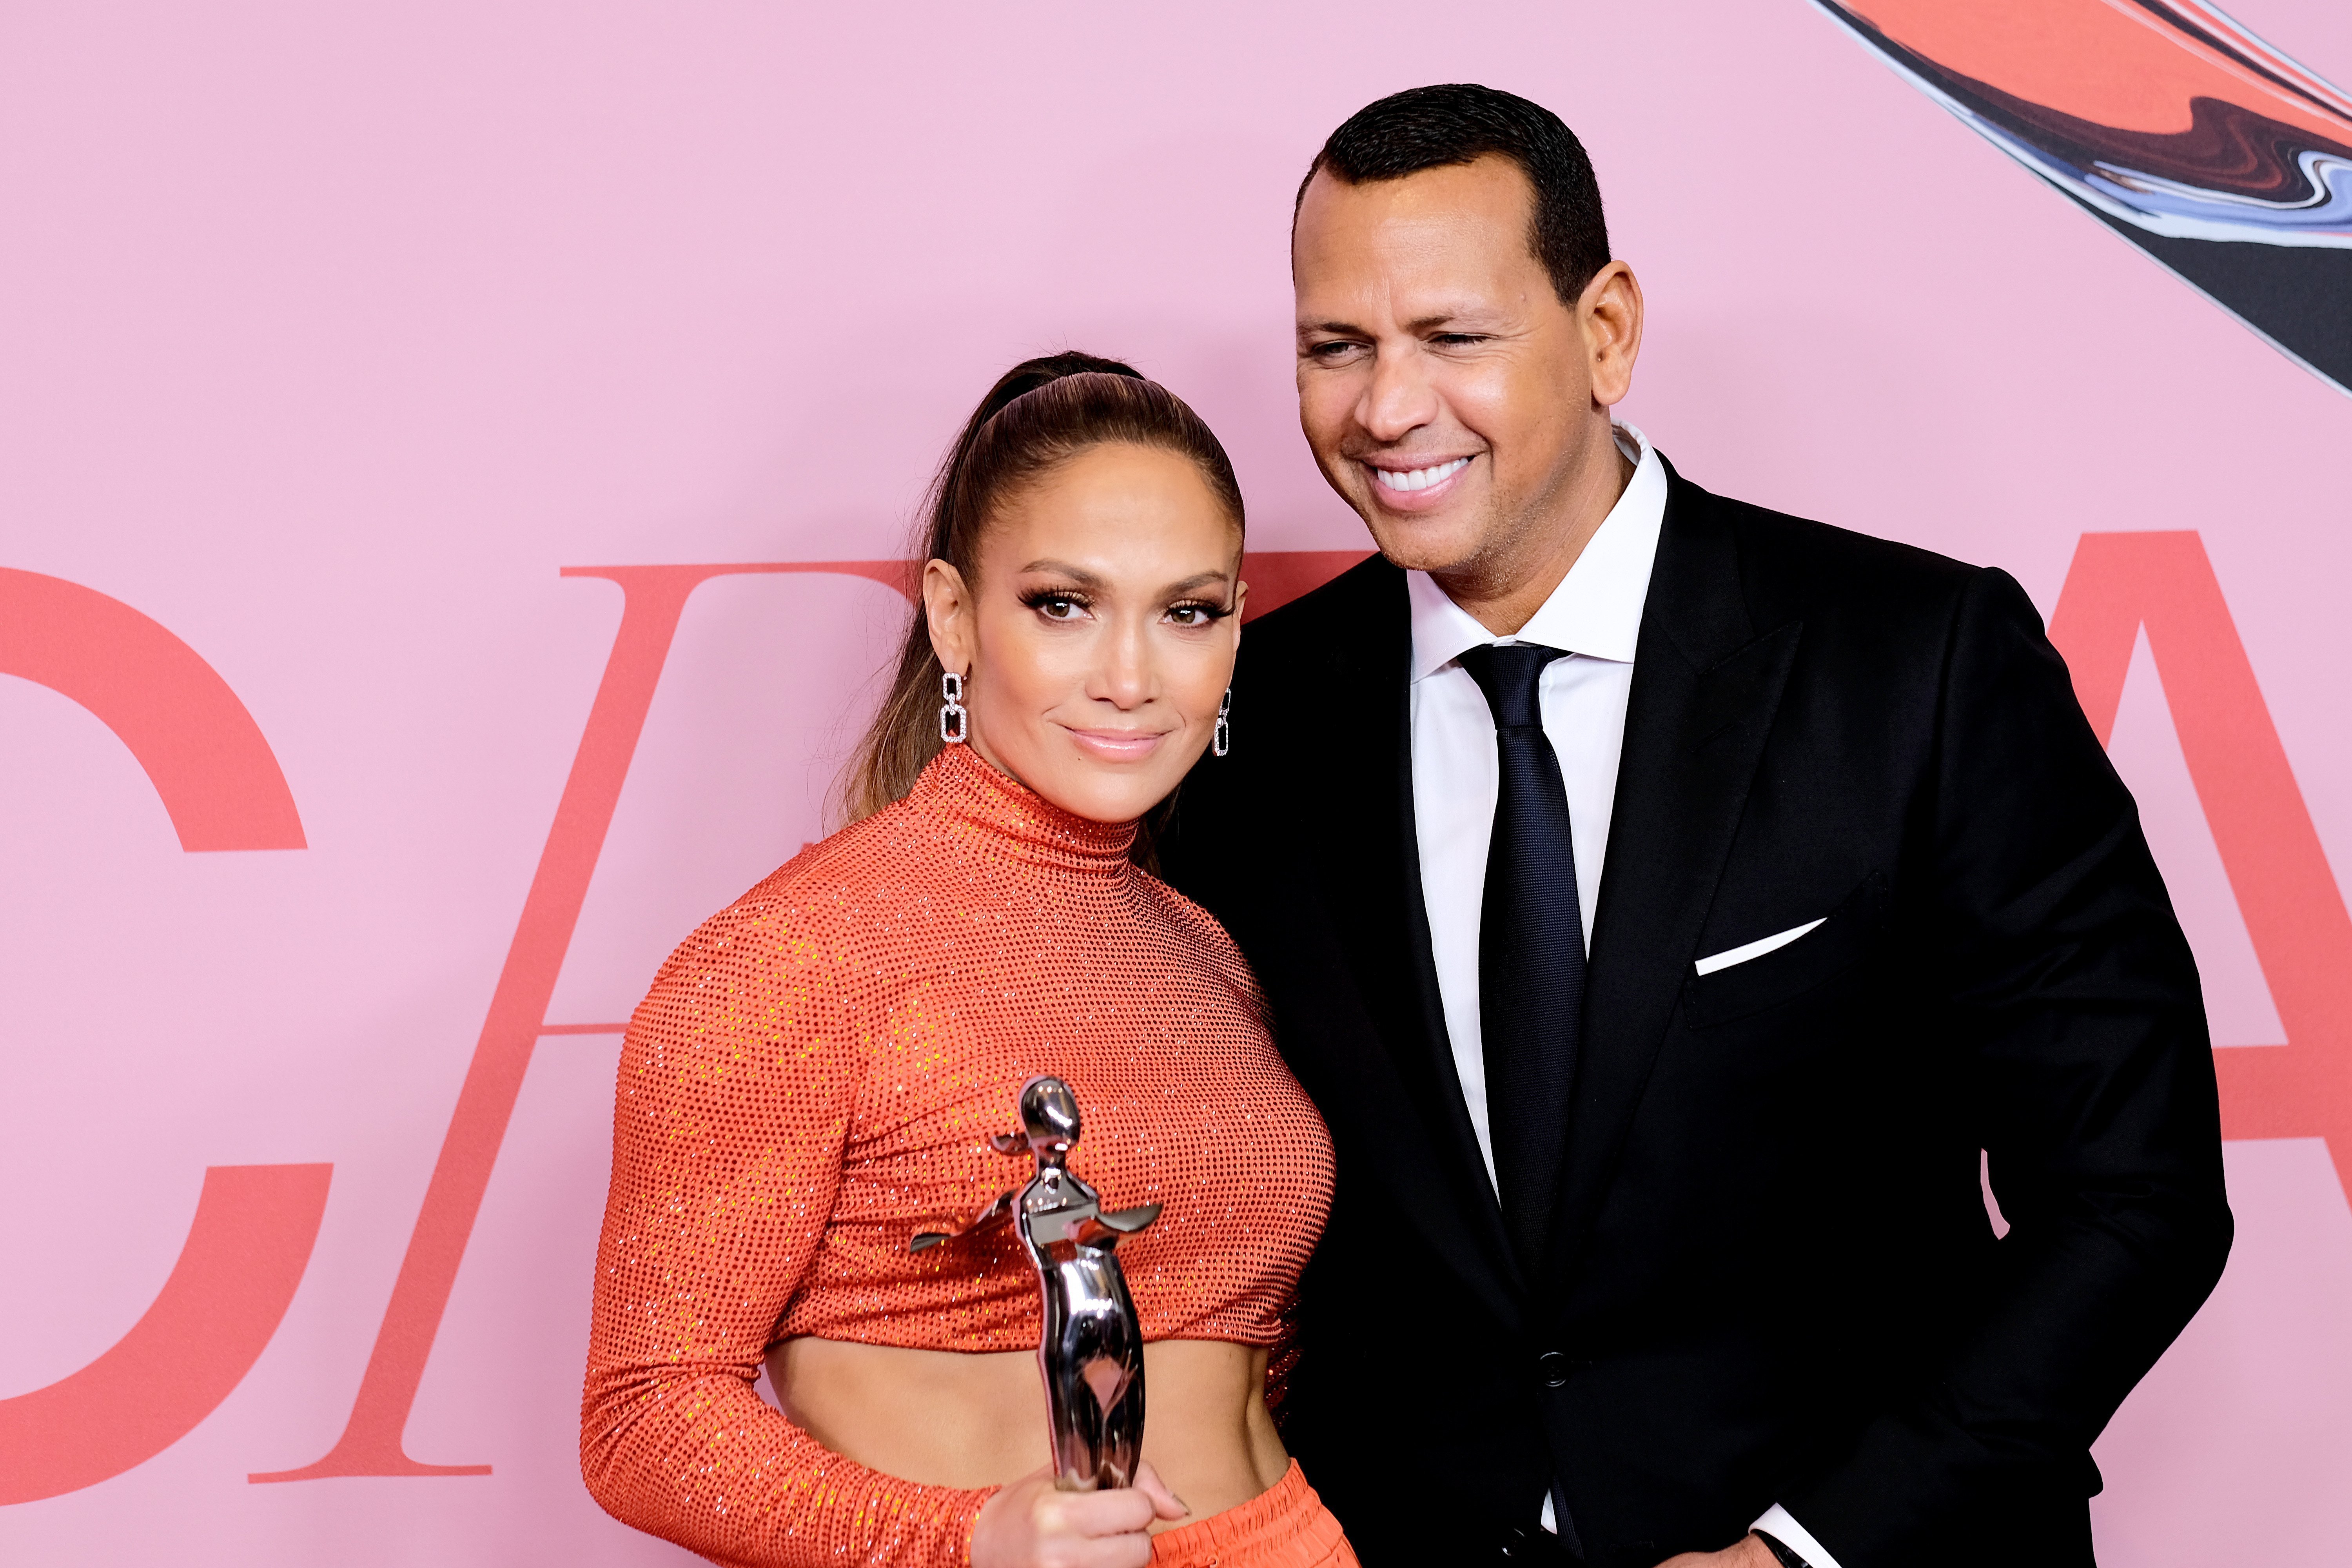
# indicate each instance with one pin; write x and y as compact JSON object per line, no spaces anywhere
{"x":737,"y":1085}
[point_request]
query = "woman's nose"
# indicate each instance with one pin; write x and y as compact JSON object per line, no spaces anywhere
{"x":1123,"y":677}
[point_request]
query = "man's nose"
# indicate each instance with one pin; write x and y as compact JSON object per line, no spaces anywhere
{"x":1399,"y":398}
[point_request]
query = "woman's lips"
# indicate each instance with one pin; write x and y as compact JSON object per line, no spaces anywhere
{"x":1119,"y":746}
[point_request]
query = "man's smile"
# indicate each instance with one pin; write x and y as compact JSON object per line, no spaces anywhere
{"x":1417,"y":479}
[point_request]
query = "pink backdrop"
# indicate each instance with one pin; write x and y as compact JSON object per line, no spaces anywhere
{"x":334,"y":336}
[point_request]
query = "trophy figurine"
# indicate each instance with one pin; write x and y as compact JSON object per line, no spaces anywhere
{"x":1091,"y":1353}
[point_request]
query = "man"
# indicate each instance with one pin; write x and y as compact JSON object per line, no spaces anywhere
{"x":1666,"y":901}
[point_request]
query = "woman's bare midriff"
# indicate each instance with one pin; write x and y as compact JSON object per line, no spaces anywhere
{"x":950,"y":1419}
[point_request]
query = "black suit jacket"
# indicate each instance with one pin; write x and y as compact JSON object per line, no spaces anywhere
{"x":1772,"y":1276}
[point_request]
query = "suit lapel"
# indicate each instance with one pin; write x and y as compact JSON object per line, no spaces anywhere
{"x":1372,"y":876}
{"x":1707,"y":682}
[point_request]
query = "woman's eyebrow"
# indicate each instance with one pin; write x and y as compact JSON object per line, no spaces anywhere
{"x":1083,"y":578}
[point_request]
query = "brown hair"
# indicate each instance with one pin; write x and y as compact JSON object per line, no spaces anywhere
{"x":1041,"y":413}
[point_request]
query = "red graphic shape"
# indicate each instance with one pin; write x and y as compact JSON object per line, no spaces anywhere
{"x":2292,"y":908}
{"x":245,"y":1254}
{"x":255,"y":1224}
{"x":2129,"y":71}
{"x":1278,"y":576}
{"x":655,"y":597}
{"x":202,"y":749}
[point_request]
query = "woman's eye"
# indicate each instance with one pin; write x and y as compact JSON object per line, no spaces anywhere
{"x":1187,"y":614}
{"x":1054,"y":607}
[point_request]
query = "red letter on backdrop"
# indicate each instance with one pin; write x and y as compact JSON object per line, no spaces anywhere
{"x":655,"y":597}
{"x":202,"y":749}
{"x":245,"y":1254}
{"x":255,"y":1224}
{"x":2293,"y":912}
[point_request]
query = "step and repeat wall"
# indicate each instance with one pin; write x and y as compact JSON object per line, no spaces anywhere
{"x":454,"y":465}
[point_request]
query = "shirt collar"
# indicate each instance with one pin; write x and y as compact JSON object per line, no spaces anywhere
{"x":1596,"y":611}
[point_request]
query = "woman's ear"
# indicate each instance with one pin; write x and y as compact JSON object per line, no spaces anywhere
{"x":948,"y":610}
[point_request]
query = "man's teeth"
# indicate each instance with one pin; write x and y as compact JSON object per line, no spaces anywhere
{"x":1418,"y":478}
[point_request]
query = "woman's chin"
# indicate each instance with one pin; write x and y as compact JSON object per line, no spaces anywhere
{"x":1084,"y":785}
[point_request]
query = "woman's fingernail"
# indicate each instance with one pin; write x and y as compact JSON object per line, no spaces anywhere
{"x":1181,"y":1503}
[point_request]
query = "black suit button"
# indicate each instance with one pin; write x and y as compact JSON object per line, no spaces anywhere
{"x":1552,"y":1368}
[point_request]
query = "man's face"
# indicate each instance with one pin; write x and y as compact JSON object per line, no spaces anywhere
{"x":1448,"y":392}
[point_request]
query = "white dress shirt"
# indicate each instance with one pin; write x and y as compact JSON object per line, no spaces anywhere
{"x":1595,"y":615}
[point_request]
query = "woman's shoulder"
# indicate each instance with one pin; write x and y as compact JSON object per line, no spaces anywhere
{"x":842,"y":865}
{"x":795,"y":911}
{"x":1202,"y":932}
{"x":788,"y":959}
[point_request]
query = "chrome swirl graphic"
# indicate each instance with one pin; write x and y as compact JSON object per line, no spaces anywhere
{"x":2214,"y":151}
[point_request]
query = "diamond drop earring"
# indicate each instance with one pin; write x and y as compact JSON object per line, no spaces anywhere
{"x":1222,"y":740}
{"x":954,"y":722}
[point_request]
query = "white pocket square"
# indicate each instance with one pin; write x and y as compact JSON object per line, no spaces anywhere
{"x":1757,"y":949}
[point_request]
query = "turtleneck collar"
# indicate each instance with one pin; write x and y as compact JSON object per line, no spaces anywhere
{"x":959,"y":786}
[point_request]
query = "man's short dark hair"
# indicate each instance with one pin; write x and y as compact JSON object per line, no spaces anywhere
{"x":1431,"y":127}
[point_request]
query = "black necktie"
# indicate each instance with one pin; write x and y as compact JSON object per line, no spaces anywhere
{"x":1531,"y":946}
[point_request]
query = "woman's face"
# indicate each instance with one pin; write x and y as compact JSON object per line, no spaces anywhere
{"x":1100,"y":638}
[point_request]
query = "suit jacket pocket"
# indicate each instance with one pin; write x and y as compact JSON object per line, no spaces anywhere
{"x":1814,"y":960}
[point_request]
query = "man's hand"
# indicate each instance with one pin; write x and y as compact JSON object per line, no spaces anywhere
{"x":1747,"y":1553}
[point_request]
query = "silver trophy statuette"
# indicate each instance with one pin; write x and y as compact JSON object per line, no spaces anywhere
{"x":1091,"y":1353}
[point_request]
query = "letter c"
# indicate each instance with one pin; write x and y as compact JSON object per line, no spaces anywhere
{"x":255,"y":1224}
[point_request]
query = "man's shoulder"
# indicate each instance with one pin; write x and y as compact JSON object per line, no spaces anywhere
{"x":1793,"y":566}
{"x":1331,"y":621}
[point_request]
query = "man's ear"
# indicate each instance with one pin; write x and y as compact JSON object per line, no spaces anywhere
{"x":948,"y":610}
{"x":1609,"y":312}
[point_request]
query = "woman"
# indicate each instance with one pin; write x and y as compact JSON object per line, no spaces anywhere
{"x":814,"y":1077}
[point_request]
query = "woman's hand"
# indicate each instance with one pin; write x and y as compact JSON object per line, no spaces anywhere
{"x":1029,"y":1524}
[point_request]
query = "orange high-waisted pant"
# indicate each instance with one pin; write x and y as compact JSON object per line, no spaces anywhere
{"x":1284,"y":1527}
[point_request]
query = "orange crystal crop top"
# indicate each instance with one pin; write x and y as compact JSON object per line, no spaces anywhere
{"x":813,"y":1078}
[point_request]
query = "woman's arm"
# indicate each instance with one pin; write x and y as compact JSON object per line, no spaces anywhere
{"x":730,"y":1117}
